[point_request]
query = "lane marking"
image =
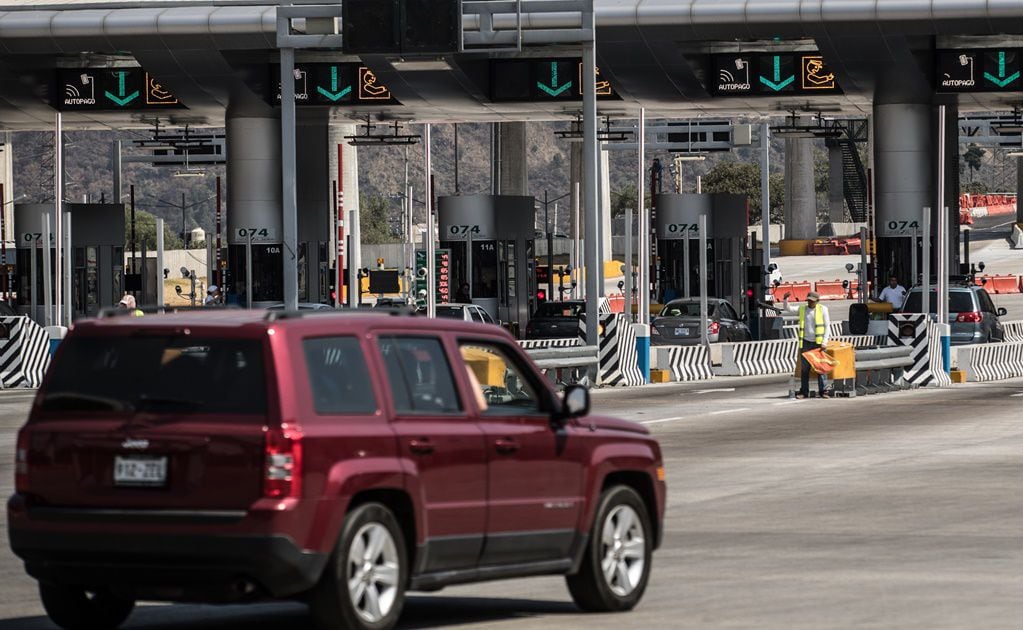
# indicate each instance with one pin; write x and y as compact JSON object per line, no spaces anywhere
{"x":710,"y":391}
{"x":1016,"y":395}
{"x":661,"y":420}
{"x":787,"y":402}
{"x":723,"y":411}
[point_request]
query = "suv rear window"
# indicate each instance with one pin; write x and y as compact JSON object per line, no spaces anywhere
{"x":958,"y":302}
{"x":560,"y":309}
{"x":158,"y":374}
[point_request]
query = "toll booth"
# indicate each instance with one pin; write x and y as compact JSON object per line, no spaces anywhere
{"x":678,"y":245}
{"x":97,"y":257}
{"x":491,"y":238}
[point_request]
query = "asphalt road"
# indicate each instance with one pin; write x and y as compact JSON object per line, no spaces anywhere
{"x":893,"y":511}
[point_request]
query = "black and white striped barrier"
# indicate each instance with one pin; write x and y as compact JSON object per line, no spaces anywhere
{"x":684,"y":363}
{"x":750,"y":358}
{"x":24,"y":352}
{"x":1013,"y":331}
{"x":917,"y":331}
{"x":619,"y":359}
{"x":533,"y":344}
{"x":990,"y":361}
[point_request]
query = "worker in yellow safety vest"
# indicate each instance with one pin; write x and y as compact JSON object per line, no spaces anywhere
{"x":814,"y":332}
{"x":128,"y":303}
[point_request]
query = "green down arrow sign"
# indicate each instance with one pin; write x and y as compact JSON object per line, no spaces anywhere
{"x":778,"y":84}
{"x":1002,"y":80}
{"x":553,"y":89}
{"x":121,"y":99}
{"x":334,"y":94}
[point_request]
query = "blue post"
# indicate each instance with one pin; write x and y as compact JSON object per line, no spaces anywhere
{"x":643,"y":349}
{"x":945,"y":331}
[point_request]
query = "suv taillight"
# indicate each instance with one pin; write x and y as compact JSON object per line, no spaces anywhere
{"x":283,"y":470}
{"x":971,"y":317}
{"x":21,"y":463}
{"x":714,"y":328}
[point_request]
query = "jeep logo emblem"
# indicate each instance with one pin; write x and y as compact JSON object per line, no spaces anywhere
{"x":135,"y":444}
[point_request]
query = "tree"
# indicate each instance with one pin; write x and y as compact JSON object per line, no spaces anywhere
{"x":974,"y":158}
{"x":743,"y":178}
{"x":622,"y":199}
{"x":374,"y":224}
{"x":145,"y":232}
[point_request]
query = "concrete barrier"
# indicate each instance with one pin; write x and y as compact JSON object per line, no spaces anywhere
{"x":749,"y":358}
{"x":1013,"y":331}
{"x":684,"y":363}
{"x":990,"y":361}
{"x":24,"y":353}
{"x":927,"y":369}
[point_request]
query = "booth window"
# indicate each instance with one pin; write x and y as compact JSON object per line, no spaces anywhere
{"x":484,"y":269}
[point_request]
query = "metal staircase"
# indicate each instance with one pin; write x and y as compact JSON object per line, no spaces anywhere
{"x":854,"y":180}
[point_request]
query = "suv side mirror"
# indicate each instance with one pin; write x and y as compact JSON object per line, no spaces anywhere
{"x":1002,"y":311}
{"x":576,"y":402}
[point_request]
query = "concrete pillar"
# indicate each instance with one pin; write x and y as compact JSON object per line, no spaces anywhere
{"x":513,"y":163}
{"x":836,"y":179}
{"x":800,"y":198}
{"x":253,"y":177}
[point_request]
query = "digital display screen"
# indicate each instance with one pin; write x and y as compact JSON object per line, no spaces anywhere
{"x":539,"y":80}
{"x":763,"y":74}
{"x":992,"y":70}
{"x":333,"y":84}
{"x":110,"y":89}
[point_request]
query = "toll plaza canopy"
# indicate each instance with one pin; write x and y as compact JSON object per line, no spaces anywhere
{"x":189,"y":61}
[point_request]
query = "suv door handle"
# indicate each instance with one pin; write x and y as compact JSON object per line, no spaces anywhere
{"x":506,"y":445}
{"x":422,"y":446}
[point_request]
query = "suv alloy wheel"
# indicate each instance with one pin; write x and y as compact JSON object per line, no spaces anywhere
{"x":616,"y":564}
{"x":75,"y":608}
{"x":363,"y":584}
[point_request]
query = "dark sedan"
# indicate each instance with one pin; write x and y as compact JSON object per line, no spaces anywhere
{"x":556,"y":320}
{"x":679,"y":323}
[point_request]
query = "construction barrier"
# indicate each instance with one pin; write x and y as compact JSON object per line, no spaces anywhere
{"x":616,"y":303}
{"x":990,"y":361}
{"x":831,"y":290}
{"x":854,"y":289}
{"x":999,"y":285}
{"x":24,"y":352}
{"x":799,"y":291}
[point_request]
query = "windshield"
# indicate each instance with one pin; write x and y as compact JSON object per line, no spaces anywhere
{"x":685,"y":309}
{"x":164,"y":374}
{"x":454,"y":312}
{"x":958,"y":302}
{"x":560,"y":309}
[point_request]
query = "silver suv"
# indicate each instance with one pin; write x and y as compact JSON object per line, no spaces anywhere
{"x":971,"y":312}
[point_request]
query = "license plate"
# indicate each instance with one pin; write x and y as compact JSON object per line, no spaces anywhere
{"x":140,"y":471}
{"x":681,"y":332}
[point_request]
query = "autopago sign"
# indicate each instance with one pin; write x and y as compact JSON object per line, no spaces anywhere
{"x":985,"y":70}
{"x":110,"y":89}
{"x":771,"y":74}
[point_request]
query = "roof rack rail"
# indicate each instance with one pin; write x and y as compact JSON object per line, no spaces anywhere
{"x":278,"y":315}
{"x":149,"y":309}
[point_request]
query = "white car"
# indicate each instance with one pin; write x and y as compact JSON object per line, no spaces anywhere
{"x":465,"y":312}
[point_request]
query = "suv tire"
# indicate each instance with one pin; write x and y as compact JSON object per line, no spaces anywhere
{"x":75,"y":608}
{"x":371,"y":556}
{"x":616,"y":564}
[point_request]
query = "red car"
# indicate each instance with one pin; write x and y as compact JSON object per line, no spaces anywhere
{"x":339,"y":458}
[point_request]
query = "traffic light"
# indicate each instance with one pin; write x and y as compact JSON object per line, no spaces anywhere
{"x":541,"y":295}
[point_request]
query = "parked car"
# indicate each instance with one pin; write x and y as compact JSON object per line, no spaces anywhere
{"x":679,"y":323}
{"x":340,"y":459}
{"x":556,"y":320}
{"x":464,"y":312}
{"x":972,"y":314}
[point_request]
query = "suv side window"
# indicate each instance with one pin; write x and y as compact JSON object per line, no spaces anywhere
{"x":419,"y":374}
{"x":475,"y":313}
{"x":728,"y":312}
{"x":986,"y":304}
{"x":338,"y":376}
{"x":504,"y":389}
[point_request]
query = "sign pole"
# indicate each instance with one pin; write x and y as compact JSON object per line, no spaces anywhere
{"x":58,"y":205}
{"x":289,"y":201}
{"x":219,"y":273}
{"x":704,"y":338}
{"x":765,"y":201}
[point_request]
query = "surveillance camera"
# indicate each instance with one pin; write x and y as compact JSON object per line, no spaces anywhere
{"x":980,"y":265}
{"x":772,"y":268}
{"x":849,"y":267}
{"x":184,"y":272}
{"x":177,"y":289}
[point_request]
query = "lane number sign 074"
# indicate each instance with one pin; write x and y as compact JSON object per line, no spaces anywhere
{"x":902,"y":227}
{"x":462,"y":230}
{"x":253,"y":232}
{"x":682,"y":228}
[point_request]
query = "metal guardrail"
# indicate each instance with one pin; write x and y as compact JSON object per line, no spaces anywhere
{"x":565,"y":366}
{"x":881,"y":369}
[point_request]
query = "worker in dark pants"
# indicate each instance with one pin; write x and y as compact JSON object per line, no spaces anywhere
{"x":814,"y":332}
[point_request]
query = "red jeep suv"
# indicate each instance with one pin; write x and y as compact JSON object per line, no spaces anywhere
{"x":340,"y":459}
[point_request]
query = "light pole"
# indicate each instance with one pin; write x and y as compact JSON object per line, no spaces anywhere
{"x":550,"y":240}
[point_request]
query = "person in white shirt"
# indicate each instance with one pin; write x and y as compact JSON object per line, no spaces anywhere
{"x":894,"y":294}
{"x":814,"y":332}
